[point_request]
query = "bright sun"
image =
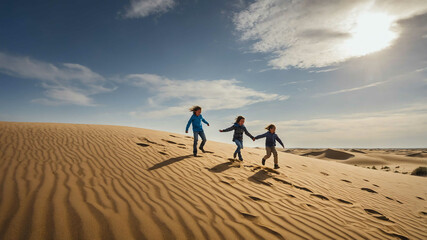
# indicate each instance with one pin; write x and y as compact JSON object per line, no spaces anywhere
{"x":371,"y":33}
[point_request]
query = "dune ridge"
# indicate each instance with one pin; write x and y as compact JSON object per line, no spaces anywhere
{"x":80,"y":181}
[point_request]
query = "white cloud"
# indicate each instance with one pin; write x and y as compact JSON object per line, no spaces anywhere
{"x":174,"y":97}
{"x":144,"y":8}
{"x":351,"y":89}
{"x":68,"y":83}
{"x":307,"y":33}
{"x":393,"y":128}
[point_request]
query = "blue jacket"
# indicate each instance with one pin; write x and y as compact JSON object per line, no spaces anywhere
{"x":271,"y":139}
{"x":197,"y":123}
{"x":238,"y":131}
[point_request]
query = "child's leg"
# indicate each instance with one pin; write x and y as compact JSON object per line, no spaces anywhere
{"x":276,"y":158}
{"x":203,"y":136}
{"x":196,"y":138}
{"x":268,"y":149}
{"x":239,"y":146}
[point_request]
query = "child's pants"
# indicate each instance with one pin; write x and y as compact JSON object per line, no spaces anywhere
{"x":269,"y":151}
{"x":196,"y":138}
{"x":239,"y":147}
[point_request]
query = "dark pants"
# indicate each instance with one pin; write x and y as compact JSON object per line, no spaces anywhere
{"x":196,"y":138}
{"x":239,"y":147}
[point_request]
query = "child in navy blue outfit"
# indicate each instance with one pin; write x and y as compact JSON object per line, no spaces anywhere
{"x":239,"y":129}
{"x":270,"y":144}
{"x":196,"y":119}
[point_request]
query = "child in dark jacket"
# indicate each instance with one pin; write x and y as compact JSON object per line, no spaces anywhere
{"x":239,"y":129}
{"x":270,"y":144}
{"x":196,"y":120}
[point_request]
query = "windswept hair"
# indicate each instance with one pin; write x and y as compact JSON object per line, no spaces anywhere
{"x":270,"y":127}
{"x":239,"y":118}
{"x":194,"y":109}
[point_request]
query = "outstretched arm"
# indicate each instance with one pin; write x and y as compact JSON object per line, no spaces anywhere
{"x":188,"y":124}
{"x":280,"y":141}
{"x":248,"y":134}
{"x":203,"y":120}
{"x":227,"y":129}
{"x":261,"y":136}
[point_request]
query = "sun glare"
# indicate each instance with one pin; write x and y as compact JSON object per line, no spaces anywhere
{"x":372,"y":33}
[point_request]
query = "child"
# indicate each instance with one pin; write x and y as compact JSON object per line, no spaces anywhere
{"x":238,"y":128}
{"x":196,"y":119}
{"x":270,"y":144}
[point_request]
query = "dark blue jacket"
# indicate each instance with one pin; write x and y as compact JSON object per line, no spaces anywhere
{"x":271,"y":139}
{"x":238,"y":132}
{"x":197,"y":123}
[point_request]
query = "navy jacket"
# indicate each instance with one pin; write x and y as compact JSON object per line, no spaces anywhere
{"x":271,"y":139}
{"x":238,"y":131}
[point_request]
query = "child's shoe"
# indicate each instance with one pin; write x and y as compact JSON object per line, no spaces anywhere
{"x":263,"y":161}
{"x":195,"y":154}
{"x":201,"y":149}
{"x":276,"y":166}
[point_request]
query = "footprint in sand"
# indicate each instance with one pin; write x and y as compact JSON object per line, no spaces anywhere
{"x":174,"y":136}
{"x":182,"y":147}
{"x":168,"y":141}
{"x":288,"y":166}
{"x":249,"y":216}
{"x":345,"y":180}
{"x":282,"y":181}
{"x":368,"y":190}
{"x":423,"y":213}
{"x":366,"y":180}
{"x":320,"y":196}
{"x":344,"y":201}
{"x":389,"y":198}
{"x":304,"y":165}
{"x":290,"y":195}
{"x":163,"y":153}
{"x":326,"y":174}
{"x":399,"y":201}
{"x":142,"y":144}
{"x":255,"y":198}
{"x":303,"y":188}
{"x":375,"y":185}
{"x":181,"y":144}
{"x":420,"y":198}
{"x":377,"y":215}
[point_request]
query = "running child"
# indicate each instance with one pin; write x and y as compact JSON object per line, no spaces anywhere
{"x":270,"y":144}
{"x":196,"y":120}
{"x":239,"y":129}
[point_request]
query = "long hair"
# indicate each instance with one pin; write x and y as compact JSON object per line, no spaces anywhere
{"x":238,"y":119}
{"x":194,"y":109}
{"x":270,"y":127}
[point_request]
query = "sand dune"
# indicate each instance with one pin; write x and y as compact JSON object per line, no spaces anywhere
{"x":395,"y":160}
{"x":68,"y":181}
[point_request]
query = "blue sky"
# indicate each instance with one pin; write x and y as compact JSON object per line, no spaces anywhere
{"x":327,"y":73}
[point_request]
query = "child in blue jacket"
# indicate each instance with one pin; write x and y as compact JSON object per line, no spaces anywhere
{"x":239,"y":129}
{"x":270,"y":144}
{"x":196,"y":119}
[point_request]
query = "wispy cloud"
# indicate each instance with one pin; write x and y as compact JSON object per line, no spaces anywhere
{"x":307,"y":34}
{"x":174,"y":97}
{"x":144,"y":8}
{"x":66,"y":83}
{"x":297,"y":82}
{"x":408,"y":125}
{"x":324,"y":70}
{"x":351,"y":89}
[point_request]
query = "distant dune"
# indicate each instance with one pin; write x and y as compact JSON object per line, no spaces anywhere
{"x":79,"y":181}
{"x":396,"y":160}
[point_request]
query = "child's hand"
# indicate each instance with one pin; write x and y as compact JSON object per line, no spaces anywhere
{"x":220,"y":130}
{"x":253,"y":139}
{"x":186,"y":131}
{"x":208,"y":124}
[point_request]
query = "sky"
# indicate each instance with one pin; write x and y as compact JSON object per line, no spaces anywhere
{"x":343,"y":74}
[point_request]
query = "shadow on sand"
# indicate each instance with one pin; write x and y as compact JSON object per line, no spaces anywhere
{"x":260,"y":177}
{"x":168,"y":162}
{"x":223,"y":166}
